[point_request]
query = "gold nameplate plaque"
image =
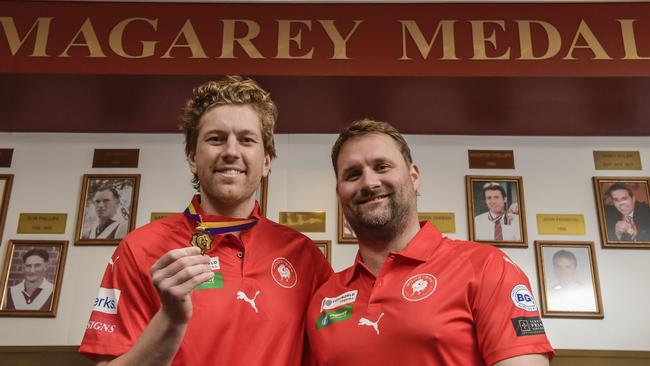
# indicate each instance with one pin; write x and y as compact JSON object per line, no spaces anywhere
{"x":306,"y":222}
{"x":160,"y":215}
{"x":561,"y":224}
{"x":617,"y":160}
{"x":491,"y":159}
{"x":42,"y":223}
{"x":445,"y":222}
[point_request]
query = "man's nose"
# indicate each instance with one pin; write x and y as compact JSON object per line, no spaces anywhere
{"x":370,"y":180}
{"x":231,"y":147}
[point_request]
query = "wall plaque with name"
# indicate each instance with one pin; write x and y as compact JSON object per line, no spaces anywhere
{"x":116,"y":158}
{"x":491,"y":159}
{"x":5,"y":157}
{"x":42,"y":223}
{"x":561,"y":224}
{"x":617,"y":160}
{"x":160,"y":215}
{"x":445,"y":222}
{"x":306,"y":222}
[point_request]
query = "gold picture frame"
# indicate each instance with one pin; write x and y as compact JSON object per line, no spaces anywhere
{"x":623,"y":205}
{"x":325,"y":247}
{"x":505,"y":196}
{"x":568,"y":279}
{"x":107,"y":208}
{"x":346,"y":234}
{"x":6,"y":181}
{"x":30,"y":263}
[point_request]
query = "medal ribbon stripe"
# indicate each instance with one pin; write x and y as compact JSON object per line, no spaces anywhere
{"x":217,"y":227}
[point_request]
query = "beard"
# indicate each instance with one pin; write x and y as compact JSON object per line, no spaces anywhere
{"x":385,"y":220}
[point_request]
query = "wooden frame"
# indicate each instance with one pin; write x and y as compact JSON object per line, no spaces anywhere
{"x":513,"y":223}
{"x":119,"y":212}
{"x":629,"y":193}
{"x":326,"y":247}
{"x":47,"y":258}
{"x":6,"y":180}
{"x":262,"y":195}
{"x":568,"y":279}
{"x":346,"y":233}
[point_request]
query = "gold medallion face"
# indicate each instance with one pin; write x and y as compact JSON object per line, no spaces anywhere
{"x":201,"y":239}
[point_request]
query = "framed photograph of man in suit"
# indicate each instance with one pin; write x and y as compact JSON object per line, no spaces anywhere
{"x":623,"y":211}
{"x":495,"y":210}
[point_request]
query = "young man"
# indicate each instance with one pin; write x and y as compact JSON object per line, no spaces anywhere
{"x":110,"y":224}
{"x":497,"y":223}
{"x":238,"y":298}
{"x":627,"y":219}
{"x":35,"y":291}
{"x":414,"y":297}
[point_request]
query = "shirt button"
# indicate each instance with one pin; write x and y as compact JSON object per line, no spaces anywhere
{"x":240,"y":255}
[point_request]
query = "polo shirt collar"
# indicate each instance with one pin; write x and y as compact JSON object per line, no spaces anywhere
{"x":197,"y":200}
{"x":419,"y":249}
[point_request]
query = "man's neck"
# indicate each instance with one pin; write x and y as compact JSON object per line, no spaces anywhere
{"x":31,"y":286}
{"x":240,"y":209}
{"x":375,"y":247}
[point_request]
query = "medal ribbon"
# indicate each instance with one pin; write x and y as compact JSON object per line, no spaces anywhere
{"x":227,"y":225}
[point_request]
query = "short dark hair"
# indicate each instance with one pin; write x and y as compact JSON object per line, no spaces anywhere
{"x":102,"y":188}
{"x":36,"y":251}
{"x":494,"y":186}
{"x":565,"y":254}
{"x":618,"y":187}
{"x":368,"y":126}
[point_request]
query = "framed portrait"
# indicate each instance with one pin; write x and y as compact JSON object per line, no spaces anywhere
{"x":325,"y":246}
{"x":568,"y":279}
{"x":495,"y":210}
{"x":107,"y":208}
{"x":262,"y":194}
{"x":5,"y":192}
{"x":346,"y":233}
{"x":31,"y":278}
{"x":623,"y":205}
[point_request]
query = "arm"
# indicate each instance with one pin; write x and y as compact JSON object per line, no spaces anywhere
{"x":525,"y":360}
{"x":174,"y":276}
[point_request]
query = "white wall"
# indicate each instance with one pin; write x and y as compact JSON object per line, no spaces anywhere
{"x":556,"y":173}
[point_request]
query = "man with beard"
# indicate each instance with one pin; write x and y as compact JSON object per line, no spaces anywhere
{"x":218,"y":284}
{"x":414,"y":297}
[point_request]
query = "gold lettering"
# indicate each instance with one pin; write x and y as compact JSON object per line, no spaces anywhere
{"x":285,"y":39}
{"x":117,"y":33}
{"x":90,"y":41}
{"x":629,"y":40}
{"x":526,"y":40}
{"x":245,"y":42}
{"x":480,"y":39}
{"x":591,"y":43}
{"x":339,"y":43}
{"x":192,"y":42}
{"x":42,"y":26}
{"x":445,"y":27}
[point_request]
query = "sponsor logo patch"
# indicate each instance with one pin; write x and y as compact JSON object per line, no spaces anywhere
{"x":334,"y":316}
{"x":107,"y":300}
{"x":214,"y":264}
{"x":330,"y":303}
{"x":419,"y":287}
{"x":522,"y":298}
{"x":528,"y":325}
{"x":283,"y":273}
{"x":100,"y":326}
{"x":215,"y":282}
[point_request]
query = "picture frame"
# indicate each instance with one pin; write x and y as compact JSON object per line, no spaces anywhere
{"x":325,"y":247}
{"x":107,"y":208}
{"x":346,"y":234}
{"x":568,"y":279}
{"x":496,"y":199}
{"x":262,"y":195}
{"x":6,"y":181}
{"x":31,"y":278}
{"x":623,"y":205}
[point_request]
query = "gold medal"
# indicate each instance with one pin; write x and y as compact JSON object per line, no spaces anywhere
{"x":201,"y":239}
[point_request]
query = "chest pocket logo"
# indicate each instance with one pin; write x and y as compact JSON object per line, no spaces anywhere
{"x":419,"y":287}
{"x":283,"y":273}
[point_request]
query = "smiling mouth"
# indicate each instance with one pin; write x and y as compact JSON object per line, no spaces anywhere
{"x":372,"y":199}
{"x":231,"y":172}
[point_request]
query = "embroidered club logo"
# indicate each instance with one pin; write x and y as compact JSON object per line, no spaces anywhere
{"x":419,"y":287}
{"x":283,"y":273}
{"x":522,"y":298}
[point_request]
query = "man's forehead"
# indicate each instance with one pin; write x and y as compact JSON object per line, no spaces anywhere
{"x":35,"y":258}
{"x":356,"y":148}
{"x":230,"y":118}
{"x":621,"y":192}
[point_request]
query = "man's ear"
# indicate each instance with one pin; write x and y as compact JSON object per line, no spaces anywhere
{"x":266,"y":167}
{"x":414,"y":173}
{"x":192,"y":162}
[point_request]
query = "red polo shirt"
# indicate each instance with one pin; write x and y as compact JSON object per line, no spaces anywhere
{"x":251,"y":313}
{"x":438,"y":302}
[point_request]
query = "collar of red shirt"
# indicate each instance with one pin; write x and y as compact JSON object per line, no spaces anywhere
{"x":419,"y":249}
{"x":199,"y":209}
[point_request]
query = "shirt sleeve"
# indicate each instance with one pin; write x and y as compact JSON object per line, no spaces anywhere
{"x":125,"y":303}
{"x":506,"y":315}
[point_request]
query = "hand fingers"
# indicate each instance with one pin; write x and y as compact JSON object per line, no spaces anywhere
{"x":182,"y":282}
{"x":183,"y":266}
{"x":174,"y":255}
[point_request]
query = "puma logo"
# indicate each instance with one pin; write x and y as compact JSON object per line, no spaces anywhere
{"x":375,"y":325}
{"x":242,"y":296}
{"x":112,"y":262}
